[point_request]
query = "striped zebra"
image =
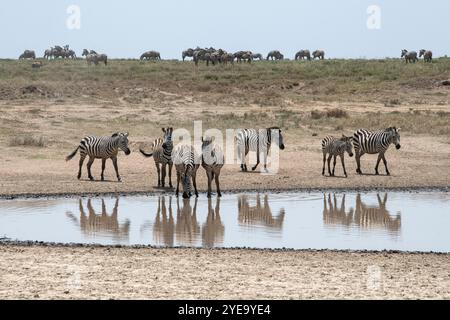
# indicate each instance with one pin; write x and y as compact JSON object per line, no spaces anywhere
{"x":101,"y":148}
{"x":162,"y":154}
{"x":376,"y":142}
{"x":336,"y":147}
{"x":186,"y":162}
{"x":212,"y":161}
{"x":258,"y":141}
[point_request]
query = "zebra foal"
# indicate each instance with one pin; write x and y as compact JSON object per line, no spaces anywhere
{"x":101,"y":148}
{"x":336,"y":147}
{"x":162,"y":154}
{"x":375,"y":142}
{"x":212,"y":161}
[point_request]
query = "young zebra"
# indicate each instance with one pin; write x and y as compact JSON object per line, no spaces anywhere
{"x":375,"y":142}
{"x":101,"y":148}
{"x":186,"y":163}
{"x":212,"y":161}
{"x":257,"y":141}
{"x":162,"y":154}
{"x":336,"y":147}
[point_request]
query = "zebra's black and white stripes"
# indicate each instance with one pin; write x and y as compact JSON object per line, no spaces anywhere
{"x":258,"y":141}
{"x":186,"y":161}
{"x":162,"y":154}
{"x":101,"y":148}
{"x":212,"y":161}
{"x":376,"y":142}
{"x":336,"y":147}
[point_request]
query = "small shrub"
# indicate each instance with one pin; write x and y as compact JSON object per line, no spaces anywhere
{"x":27,"y":141}
{"x":316,"y":114}
{"x":337,"y":113}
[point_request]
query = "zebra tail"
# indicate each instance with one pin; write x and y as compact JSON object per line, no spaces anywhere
{"x":148,"y":155}
{"x":70,"y":156}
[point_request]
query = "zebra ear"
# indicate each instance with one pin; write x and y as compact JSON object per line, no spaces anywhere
{"x":163,"y":130}
{"x":398,"y":129}
{"x":115,"y":134}
{"x":126,"y":134}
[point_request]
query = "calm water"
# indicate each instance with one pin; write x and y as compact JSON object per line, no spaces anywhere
{"x":375,"y":221}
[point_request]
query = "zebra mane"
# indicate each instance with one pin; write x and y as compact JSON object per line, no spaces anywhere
{"x":273,"y":128}
{"x":115,"y":134}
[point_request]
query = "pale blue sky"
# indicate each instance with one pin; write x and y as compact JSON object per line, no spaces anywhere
{"x":127,"y":28}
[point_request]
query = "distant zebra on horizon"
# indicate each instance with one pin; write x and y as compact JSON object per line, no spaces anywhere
{"x":258,"y":141}
{"x":162,"y":154}
{"x":376,"y":142}
{"x":336,"y":147}
{"x":101,"y":148}
{"x":186,"y":161}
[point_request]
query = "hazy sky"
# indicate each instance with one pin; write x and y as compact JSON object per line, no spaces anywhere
{"x":127,"y":28}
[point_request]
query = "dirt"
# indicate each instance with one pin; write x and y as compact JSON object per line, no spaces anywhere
{"x":39,"y":272}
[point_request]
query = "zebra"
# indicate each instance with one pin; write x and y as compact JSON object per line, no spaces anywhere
{"x":275,"y":54}
{"x":162,"y":154}
{"x":336,"y":147}
{"x":376,"y":142}
{"x":410,"y":56}
{"x":427,"y":55}
{"x":212,"y":161}
{"x":101,"y":148}
{"x":318,"y":54}
{"x":28,"y":54}
{"x":257,"y":56}
{"x":257,"y":141}
{"x":303,"y":54}
{"x":186,"y":163}
{"x":150,"y":55}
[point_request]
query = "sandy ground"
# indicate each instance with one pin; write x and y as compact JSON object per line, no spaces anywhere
{"x":39,"y":272}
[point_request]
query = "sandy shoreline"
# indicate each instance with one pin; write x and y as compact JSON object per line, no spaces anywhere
{"x":42,"y":272}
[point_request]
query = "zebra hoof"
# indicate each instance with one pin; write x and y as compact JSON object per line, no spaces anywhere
{"x":119,"y":179}
{"x":219,"y":194}
{"x":91,"y":178}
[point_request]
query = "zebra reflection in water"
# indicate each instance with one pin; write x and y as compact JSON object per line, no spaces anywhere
{"x":186,"y":228}
{"x":259,"y":214}
{"x":92,"y":223}
{"x":364,"y":216}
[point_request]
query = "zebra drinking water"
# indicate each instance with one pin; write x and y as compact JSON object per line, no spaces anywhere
{"x":162,"y":154}
{"x":186,"y":163}
{"x":336,"y":147}
{"x":376,"y":142}
{"x":258,"y":141}
{"x":101,"y":148}
{"x":212,"y":161}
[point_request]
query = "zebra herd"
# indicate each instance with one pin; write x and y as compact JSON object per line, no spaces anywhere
{"x":187,"y":161}
{"x":411,"y":56}
{"x":364,"y":141}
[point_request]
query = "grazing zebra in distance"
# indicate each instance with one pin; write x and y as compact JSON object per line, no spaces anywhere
{"x":336,"y":147}
{"x":101,"y":148}
{"x":258,"y":141}
{"x":212,"y":161}
{"x":410,"y":56}
{"x":369,"y":142}
{"x":427,"y":55}
{"x":162,"y":154}
{"x":318,"y":54}
{"x":186,"y":163}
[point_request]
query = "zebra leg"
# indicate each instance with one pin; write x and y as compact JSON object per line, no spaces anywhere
{"x":209,"y":175}
{"x":343,"y":166}
{"x":329,"y":160}
{"x":334,"y":164}
{"x":170,"y":175}
{"x":257,"y":161}
{"x":178,"y":183}
{"x":385,"y":165}
{"x":114,"y":160}
{"x":89,"y":165}
{"x":323,"y":166}
{"x":82,"y":157}
{"x":219,"y":194}
{"x":358,"y":162}
{"x":194,"y":183}
{"x":265,"y":160}
{"x":163,"y":174}
{"x":378,"y":162}
{"x":159,"y":173}
{"x":103,"y":169}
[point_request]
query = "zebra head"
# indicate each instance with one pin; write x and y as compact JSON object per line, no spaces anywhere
{"x":122,"y":142}
{"x":395,"y":136}
{"x":348,"y":145}
{"x":167,"y":136}
{"x":278,"y":137}
{"x":421,"y":52}
{"x":404,"y":52}
{"x":85,"y":52}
